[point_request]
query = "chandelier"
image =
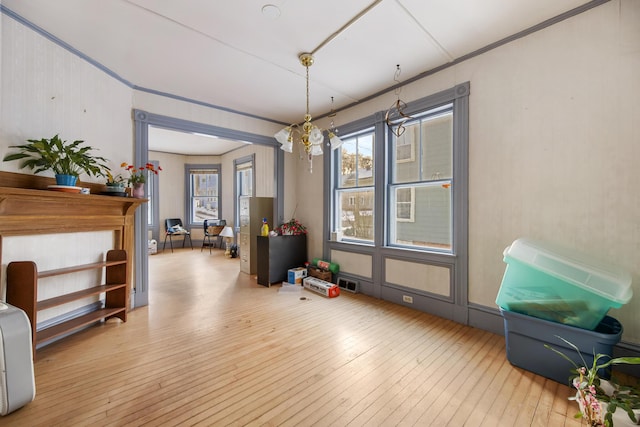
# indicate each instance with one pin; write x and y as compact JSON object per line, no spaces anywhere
{"x":308,"y":135}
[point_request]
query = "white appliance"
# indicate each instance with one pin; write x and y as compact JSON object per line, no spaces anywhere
{"x":17,"y":381}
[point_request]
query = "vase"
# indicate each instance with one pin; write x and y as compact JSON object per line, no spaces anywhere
{"x":67,"y":180}
{"x":138,"y":190}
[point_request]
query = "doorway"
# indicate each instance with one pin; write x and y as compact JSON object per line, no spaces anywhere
{"x":142,"y":122}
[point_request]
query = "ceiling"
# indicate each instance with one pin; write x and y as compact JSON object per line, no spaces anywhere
{"x":233,"y":55}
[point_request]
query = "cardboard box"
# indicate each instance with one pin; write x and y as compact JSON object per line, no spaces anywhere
{"x":320,"y":286}
{"x":319,"y":273}
{"x":296,"y":275}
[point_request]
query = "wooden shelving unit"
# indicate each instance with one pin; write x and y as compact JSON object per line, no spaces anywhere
{"x":28,"y":208}
{"x":22,"y":292}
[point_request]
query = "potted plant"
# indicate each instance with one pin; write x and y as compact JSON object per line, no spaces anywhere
{"x":115,"y":184}
{"x":66,"y":160}
{"x":138,"y":176}
{"x":598,"y":399}
{"x":293,"y":227}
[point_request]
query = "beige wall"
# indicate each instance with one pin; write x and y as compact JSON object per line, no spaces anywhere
{"x":46,"y":90}
{"x":553,"y":146}
{"x":171,"y":181}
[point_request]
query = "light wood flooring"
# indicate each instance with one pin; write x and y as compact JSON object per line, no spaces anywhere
{"x":215,"y":348}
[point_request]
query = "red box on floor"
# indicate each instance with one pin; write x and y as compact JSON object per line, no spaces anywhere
{"x":320,"y":286}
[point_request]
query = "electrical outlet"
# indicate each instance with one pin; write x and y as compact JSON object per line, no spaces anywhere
{"x":407,"y":299}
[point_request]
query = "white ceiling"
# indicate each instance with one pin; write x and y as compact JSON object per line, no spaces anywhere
{"x":229,"y":54}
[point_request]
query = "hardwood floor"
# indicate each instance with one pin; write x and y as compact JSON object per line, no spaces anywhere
{"x":215,"y":348}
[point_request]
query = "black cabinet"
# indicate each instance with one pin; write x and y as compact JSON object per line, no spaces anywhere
{"x":277,"y":254}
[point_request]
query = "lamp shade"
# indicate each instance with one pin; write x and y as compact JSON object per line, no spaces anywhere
{"x":334,"y":140}
{"x":283,"y":134}
{"x":316,"y":150}
{"x":227,"y":232}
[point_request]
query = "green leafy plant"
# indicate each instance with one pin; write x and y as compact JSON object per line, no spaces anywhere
{"x":116,"y":181}
{"x":56,"y":155}
{"x":590,"y":393}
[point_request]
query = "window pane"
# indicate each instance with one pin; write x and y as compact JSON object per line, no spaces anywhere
{"x":151,"y":202}
{"x":245,"y":179}
{"x":204,"y":195}
{"x":356,"y":214}
{"x":354,"y":196}
{"x":365,"y":160}
{"x":204,"y":208}
{"x":406,"y":149}
{"x":347,"y":163}
{"x":423,"y":151}
{"x":437,"y":146}
{"x":356,"y":161}
{"x":422,"y":216}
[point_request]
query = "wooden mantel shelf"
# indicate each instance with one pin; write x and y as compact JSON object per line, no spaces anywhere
{"x":33,"y":209}
{"x":26,"y":211}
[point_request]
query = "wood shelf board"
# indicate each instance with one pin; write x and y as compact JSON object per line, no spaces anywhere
{"x":73,"y":296}
{"x":76,"y":268}
{"x":76,"y":323}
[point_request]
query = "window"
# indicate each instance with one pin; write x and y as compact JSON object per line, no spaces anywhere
{"x":420,"y":181}
{"x":354,"y":194}
{"x":244,"y":183}
{"x":245,"y":179}
{"x":152,"y":195}
{"x":204,"y":190}
{"x":406,"y":191}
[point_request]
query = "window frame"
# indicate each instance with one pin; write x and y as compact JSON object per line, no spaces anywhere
{"x":459,"y":96}
{"x":337,"y":189}
{"x":240,"y":165}
{"x":457,"y":261}
{"x":424,"y":180}
{"x":188,"y":170}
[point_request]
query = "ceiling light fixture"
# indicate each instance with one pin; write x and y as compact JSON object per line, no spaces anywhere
{"x":271,"y":11}
{"x":309,"y":135}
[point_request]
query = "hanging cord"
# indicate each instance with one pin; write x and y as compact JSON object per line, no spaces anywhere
{"x":332,"y":126}
{"x":307,"y":67}
{"x":396,"y":78}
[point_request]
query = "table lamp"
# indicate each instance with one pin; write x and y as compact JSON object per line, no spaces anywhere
{"x":227,"y":233}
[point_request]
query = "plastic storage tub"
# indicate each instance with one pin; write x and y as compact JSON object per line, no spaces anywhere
{"x":559,"y":285}
{"x":525,"y":337}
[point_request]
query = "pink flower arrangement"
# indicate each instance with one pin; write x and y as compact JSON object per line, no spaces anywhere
{"x":587,"y":401}
{"x":138,"y":175}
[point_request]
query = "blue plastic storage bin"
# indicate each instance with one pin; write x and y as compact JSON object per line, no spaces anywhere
{"x":560,"y":285}
{"x":525,"y":337}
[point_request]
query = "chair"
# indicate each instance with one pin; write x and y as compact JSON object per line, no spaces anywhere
{"x":174,"y":227}
{"x":212,"y":228}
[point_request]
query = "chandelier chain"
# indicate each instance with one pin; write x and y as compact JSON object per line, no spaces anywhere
{"x":307,"y":67}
